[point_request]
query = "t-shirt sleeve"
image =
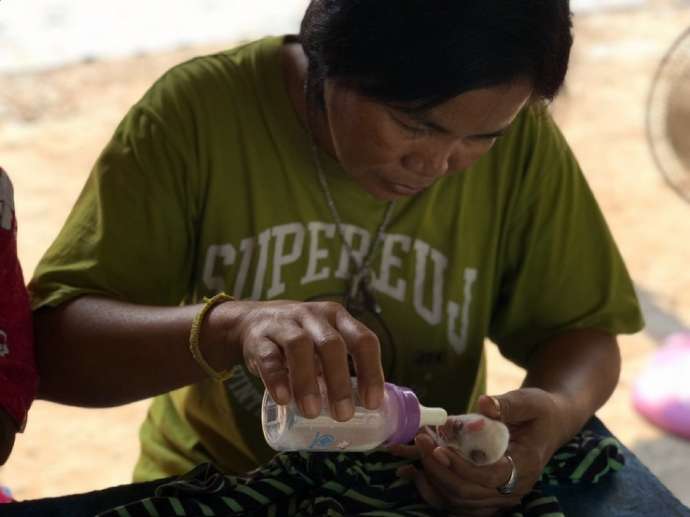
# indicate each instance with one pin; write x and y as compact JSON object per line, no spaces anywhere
{"x":130,"y":234}
{"x":561,"y":267}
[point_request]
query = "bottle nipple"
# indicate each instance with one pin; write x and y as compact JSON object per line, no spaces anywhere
{"x":432,"y":416}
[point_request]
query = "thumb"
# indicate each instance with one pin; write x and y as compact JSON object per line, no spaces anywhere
{"x":512,"y":407}
{"x":489,"y":406}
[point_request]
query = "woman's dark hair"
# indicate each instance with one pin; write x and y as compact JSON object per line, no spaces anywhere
{"x":420,"y":53}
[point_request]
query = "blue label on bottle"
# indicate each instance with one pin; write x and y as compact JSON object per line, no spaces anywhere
{"x":322,"y":441}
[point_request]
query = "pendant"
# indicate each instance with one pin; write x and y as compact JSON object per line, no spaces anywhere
{"x":359,"y":297}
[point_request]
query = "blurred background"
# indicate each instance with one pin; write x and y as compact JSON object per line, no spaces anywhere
{"x":70,"y":69}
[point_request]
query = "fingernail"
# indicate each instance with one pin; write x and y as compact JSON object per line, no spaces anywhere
{"x":373,"y":397}
{"x":425,"y":439}
{"x":419,"y":442}
{"x":344,"y":409}
{"x":497,"y":405}
{"x":311,"y":405}
{"x":282,"y":394}
{"x":441,"y":457}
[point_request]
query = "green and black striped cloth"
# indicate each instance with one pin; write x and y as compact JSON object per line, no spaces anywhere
{"x":304,"y":484}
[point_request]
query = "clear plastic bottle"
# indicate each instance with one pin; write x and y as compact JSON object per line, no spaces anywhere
{"x":397,"y":420}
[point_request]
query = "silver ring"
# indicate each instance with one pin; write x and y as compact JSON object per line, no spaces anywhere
{"x":508,"y":487}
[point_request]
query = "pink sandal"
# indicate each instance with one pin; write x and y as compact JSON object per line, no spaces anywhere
{"x":662,"y":392}
{"x":5,"y":495}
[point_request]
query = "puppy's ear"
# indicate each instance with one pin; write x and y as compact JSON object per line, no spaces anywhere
{"x":478,"y":457}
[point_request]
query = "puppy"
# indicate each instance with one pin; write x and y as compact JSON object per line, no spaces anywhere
{"x":476,"y":438}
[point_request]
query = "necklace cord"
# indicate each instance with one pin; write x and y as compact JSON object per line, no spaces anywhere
{"x":361,"y":278}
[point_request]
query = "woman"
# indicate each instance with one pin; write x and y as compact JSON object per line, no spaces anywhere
{"x":392,"y":158}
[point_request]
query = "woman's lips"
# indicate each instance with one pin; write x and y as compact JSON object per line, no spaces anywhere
{"x":406,"y":190}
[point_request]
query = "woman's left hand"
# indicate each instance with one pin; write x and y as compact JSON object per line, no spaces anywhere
{"x":449,"y":482}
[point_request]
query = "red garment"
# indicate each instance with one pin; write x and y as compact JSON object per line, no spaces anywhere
{"x":18,"y":377}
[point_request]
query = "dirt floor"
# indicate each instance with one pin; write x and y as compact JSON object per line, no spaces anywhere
{"x":53,"y":125}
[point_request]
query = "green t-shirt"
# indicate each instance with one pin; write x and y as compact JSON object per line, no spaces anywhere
{"x":208,"y":184}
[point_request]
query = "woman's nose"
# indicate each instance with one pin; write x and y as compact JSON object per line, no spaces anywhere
{"x":432,"y":166}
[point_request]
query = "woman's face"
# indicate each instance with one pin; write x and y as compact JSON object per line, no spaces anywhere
{"x":392,"y":153}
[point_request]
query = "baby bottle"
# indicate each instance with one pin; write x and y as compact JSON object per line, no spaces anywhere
{"x":397,"y":420}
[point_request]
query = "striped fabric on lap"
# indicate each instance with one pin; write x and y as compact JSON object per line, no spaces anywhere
{"x":301,"y":484}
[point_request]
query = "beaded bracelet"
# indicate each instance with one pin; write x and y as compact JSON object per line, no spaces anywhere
{"x":194,"y":337}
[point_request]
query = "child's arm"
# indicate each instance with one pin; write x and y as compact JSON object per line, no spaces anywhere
{"x":17,"y":364}
{"x":8,"y":429}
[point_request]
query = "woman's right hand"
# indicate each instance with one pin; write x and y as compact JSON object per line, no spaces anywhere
{"x":289,"y":343}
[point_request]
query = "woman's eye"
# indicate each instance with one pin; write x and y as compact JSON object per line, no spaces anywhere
{"x":413,"y":130}
{"x":416,"y":131}
{"x":484,"y":142}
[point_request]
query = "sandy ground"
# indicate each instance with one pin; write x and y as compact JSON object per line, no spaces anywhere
{"x":53,"y":125}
